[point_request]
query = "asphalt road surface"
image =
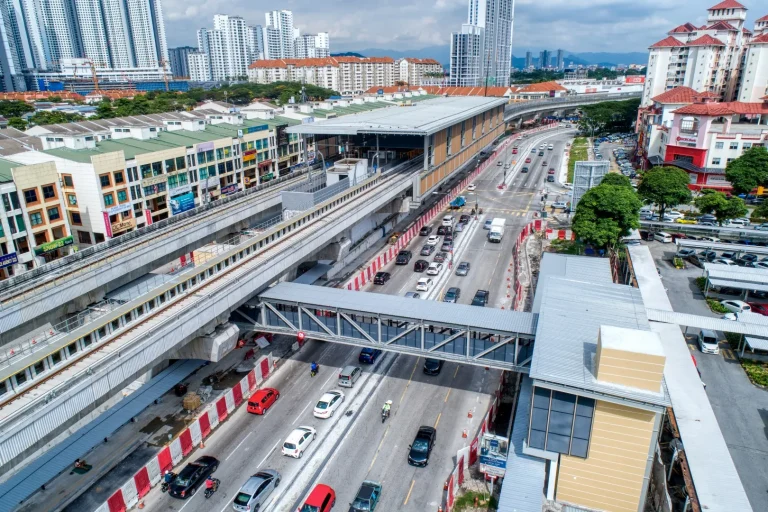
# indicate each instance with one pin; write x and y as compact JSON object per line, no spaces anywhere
{"x":354,"y":444}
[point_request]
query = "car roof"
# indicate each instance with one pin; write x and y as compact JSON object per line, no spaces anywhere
{"x":709,"y":333}
{"x":330,"y":394}
{"x":297,"y":433}
{"x":424,"y":279}
{"x":425,"y":430}
{"x":453,"y":289}
{"x":252,"y":484}
{"x":317,"y":495}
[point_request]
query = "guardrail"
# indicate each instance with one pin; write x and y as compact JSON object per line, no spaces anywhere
{"x":97,"y":251}
{"x":527,"y":106}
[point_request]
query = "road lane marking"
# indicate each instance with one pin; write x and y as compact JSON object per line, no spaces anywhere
{"x":409,"y":379}
{"x":192,"y":497}
{"x":447,"y":395}
{"x":378,"y":449}
{"x":238,"y":446}
{"x":457,"y":371}
{"x":302,"y":412}
{"x":268,"y":454}
{"x":409,"y":493}
{"x":438,"y":419}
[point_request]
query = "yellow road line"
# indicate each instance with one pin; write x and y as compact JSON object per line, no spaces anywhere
{"x":409,"y":380}
{"x":457,"y":371}
{"x":409,"y":493}
{"x":447,"y":395}
{"x":438,"y":419}
{"x":378,"y":449}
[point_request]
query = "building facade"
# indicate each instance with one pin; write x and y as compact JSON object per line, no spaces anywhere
{"x":419,"y":72}
{"x":722,"y":57}
{"x":179,"y":60}
{"x":544,"y":59}
{"x":490,"y":61}
{"x":226,"y":47}
{"x":528,"y":60}
{"x":281,"y":34}
{"x":311,"y":46}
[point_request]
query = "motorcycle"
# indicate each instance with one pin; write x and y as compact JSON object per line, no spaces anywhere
{"x":313,"y":372}
{"x":165,"y":485}
{"x":384,"y":415}
{"x":472,"y":212}
{"x":209,"y":492}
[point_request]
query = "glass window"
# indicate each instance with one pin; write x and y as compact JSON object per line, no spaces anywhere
{"x":718,"y":145}
{"x":180,"y":162}
{"x":560,"y":421}
{"x":146,"y":170}
{"x":220,"y":154}
{"x":72,"y":199}
{"x":105,"y":181}
{"x":68,"y":181}
{"x":170,"y":165}
{"x":30,"y":196}
{"x":211,"y":170}
{"x":7,"y":203}
{"x":734,"y":145}
{"x":715,"y":161}
{"x":49,"y":192}
{"x":20,"y":222}
{"x":119,"y":178}
{"x":122,"y":196}
{"x":14,"y":200}
{"x":35,"y":218}
{"x":109,"y":199}
{"x":76,"y":218}
{"x":209,"y":155}
{"x":53,"y":214}
{"x":157,"y":168}
{"x":21,"y":378}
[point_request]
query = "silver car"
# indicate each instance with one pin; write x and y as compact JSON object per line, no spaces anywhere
{"x":253,"y":495}
{"x":462,"y":269}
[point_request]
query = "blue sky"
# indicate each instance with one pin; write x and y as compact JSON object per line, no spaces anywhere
{"x":575,"y":25}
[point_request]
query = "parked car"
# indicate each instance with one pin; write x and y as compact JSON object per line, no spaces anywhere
{"x":685,"y":252}
{"x":328,"y":403}
{"x":433,"y":366}
{"x":425,"y":230}
{"x":707,"y":341}
{"x":708,"y":255}
{"x":420,"y":265}
{"x":760,"y":309}
{"x":707,"y":217}
{"x":369,"y":355}
{"x":440,"y":257}
{"x":724,"y":261}
{"x":422,"y":446}
{"x":424,"y":284}
{"x":434,"y":269}
{"x":458,"y":228}
{"x":192,"y":477}
{"x":255,"y":491}
{"x":262,"y":400}
{"x":673,"y":214}
{"x":403,"y":257}
{"x":747,"y":260}
{"x":381,"y":277}
{"x":298,"y":441}
{"x":462,"y":269}
{"x":452,"y":294}
{"x":735,"y":306}
{"x":480,"y":298}
{"x":761,"y":227}
{"x":321,"y":499}
{"x":367,"y":497}
{"x":427,"y":250}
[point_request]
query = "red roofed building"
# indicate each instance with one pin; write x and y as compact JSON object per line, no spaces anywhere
{"x":417,"y":72}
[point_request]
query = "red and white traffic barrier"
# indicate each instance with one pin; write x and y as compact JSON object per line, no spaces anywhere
{"x":134,"y":490}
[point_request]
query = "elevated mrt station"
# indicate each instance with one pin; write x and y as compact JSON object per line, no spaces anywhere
{"x":443,"y":134}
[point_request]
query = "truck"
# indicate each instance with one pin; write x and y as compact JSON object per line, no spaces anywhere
{"x":459,"y":202}
{"x":496,"y":233}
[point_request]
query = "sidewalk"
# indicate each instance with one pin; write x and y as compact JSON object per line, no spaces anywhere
{"x":134,"y":443}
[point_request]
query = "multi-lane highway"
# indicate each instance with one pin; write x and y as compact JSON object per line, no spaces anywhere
{"x":354,"y":444}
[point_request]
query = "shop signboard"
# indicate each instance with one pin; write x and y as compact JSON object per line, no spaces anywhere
{"x":686,"y":139}
{"x":177,"y":191}
{"x":182,"y":203}
{"x":154,"y":180}
{"x":211,"y":182}
{"x":229,"y":189}
{"x":634,"y":79}
{"x":52,"y":246}
{"x":122,"y":226}
{"x":121,"y":208}
{"x":493,"y":455}
{"x":6,"y":260}
{"x":258,"y":128}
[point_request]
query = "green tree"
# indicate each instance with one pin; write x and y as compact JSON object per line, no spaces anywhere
{"x":721,"y":206}
{"x":53,"y":117}
{"x":18,"y":123}
{"x":614,"y":178}
{"x":607,"y":213}
{"x":761,"y":212}
{"x":749,"y":170}
{"x":608,"y":116}
{"x":665,"y":186}
{"x":104,"y":109}
{"x":10,"y":109}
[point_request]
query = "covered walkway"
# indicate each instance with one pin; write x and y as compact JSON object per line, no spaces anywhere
{"x":456,"y":332}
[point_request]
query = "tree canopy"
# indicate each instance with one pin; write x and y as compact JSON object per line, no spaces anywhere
{"x":614,"y":178}
{"x":665,"y":186}
{"x":10,"y":109}
{"x":606,"y":214}
{"x":721,"y":206}
{"x":609,"y":117}
{"x":749,"y":170}
{"x":54,"y":117}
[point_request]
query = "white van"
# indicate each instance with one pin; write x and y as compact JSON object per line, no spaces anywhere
{"x":663,"y":237}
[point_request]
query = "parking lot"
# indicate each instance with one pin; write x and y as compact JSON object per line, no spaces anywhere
{"x":740,"y":407}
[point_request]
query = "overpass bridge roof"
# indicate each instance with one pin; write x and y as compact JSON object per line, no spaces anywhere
{"x":428,"y":311}
{"x":423,"y":118}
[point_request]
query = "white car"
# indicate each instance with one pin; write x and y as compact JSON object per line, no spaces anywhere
{"x":724,"y":261}
{"x":328,"y":403}
{"x":673,"y":214}
{"x":712,"y":239}
{"x":761,"y":227}
{"x":424,"y":284}
{"x":298,"y":441}
{"x":738,"y":222}
{"x":543,"y":146}
{"x":448,"y":220}
{"x":735,"y":306}
{"x":559,"y":204}
{"x":551,"y":147}
{"x":433,"y":240}
{"x":471,"y":187}
{"x":434,"y":269}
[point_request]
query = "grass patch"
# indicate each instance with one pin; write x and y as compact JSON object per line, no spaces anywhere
{"x":567,"y":246}
{"x":467,"y":501}
{"x":577,"y":153}
{"x":716,"y":307}
{"x":701,"y":282}
{"x":757,"y":371}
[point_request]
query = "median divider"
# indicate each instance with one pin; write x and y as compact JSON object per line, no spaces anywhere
{"x":133,"y":491}
{"x":361,"y":278}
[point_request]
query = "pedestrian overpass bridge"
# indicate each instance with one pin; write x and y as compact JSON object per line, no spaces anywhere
{"x":453,"y":332}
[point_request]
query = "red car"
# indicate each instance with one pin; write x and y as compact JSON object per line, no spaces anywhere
{"x":761,"y":309}
{"x":262,"y":400}
{"x":514,"y":151}
{"x":527,"y":160}
{"x":551,"y":170}
{"x":321,"y":499}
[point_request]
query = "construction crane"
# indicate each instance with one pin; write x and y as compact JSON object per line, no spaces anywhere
{"x":93,"y":75}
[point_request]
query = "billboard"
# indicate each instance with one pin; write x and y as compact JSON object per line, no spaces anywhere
{"x":182,"y":203}
{"x":52,"y":246}
{"x":6,"y":260}
{"x":282,"y":135}
{"x":634,"y":79}
{"x":229,"y":189}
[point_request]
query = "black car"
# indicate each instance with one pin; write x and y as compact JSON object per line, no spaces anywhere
{"x":381,"y":277}
{"x":452,"y":295}
{"x":480,"y":298}
{"x":462,"y":269}
{"x":448,"y":237}
{"x":403,"y":257}
{"x":708,"y":255}
{"x":433,"y":366}
{"x":420,"y":265}
{"x":465,"y":218}
{"x":422,"y":446}
{"x":369,"y":355}
{"x":427,"y":250}
{"x":425,"y":231}
{"x":551,"y":179}
{"x":440,"y":257}
{"x":441,"y":230}
{"x":524,"y":169}
{"x":192,"y":477}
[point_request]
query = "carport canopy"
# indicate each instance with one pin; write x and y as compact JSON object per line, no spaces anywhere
{"x":756,"y":343}
{"x":715,"y":246}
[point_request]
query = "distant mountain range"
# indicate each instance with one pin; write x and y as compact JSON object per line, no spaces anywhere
{"x":442,"y":55}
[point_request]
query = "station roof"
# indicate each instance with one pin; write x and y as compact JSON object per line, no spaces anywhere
{"x":430,"y":311}
{"x":423,"y":118}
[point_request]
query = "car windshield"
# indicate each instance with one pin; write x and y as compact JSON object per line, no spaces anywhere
{"x":309,"y":508}
{"x":289,"y":446}
{"x":361,"y":504}
{"x":420,"y":446}
{"x":185,"y":477}
{"x":242,"y":499}
{"x":450,"y":295}
{"x":321,"y":405}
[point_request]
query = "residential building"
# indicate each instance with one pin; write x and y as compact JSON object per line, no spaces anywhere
{"x":528,"y":60}
{"x":544,"y":59}
{"x":417,"y":72}
{"x":255,"y":40}
{"x":560,"y":60}
{"x":309,"y":46}
{"x":694,"y":131}
{"x":721,"y":57}
{"x":179,"y":60}
{"x":10,"y":56}
{"x":279,"y":44}
{"x":490,"y":58}
{"x":197,"y":63}
{"x":226,"y":47}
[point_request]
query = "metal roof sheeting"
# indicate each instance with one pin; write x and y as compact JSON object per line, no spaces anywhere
{"x":756,"y":343}
{"x":751,"y":275}
{"x":430,"y":311}
{"x":422,"y":118}
{"x":523,"y":487}
{"x":744,"y":325}
{"x":596,"y":270}
{"x":717,"y":483}
{"x":698,"y":244}
{"x":739,"y":285}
